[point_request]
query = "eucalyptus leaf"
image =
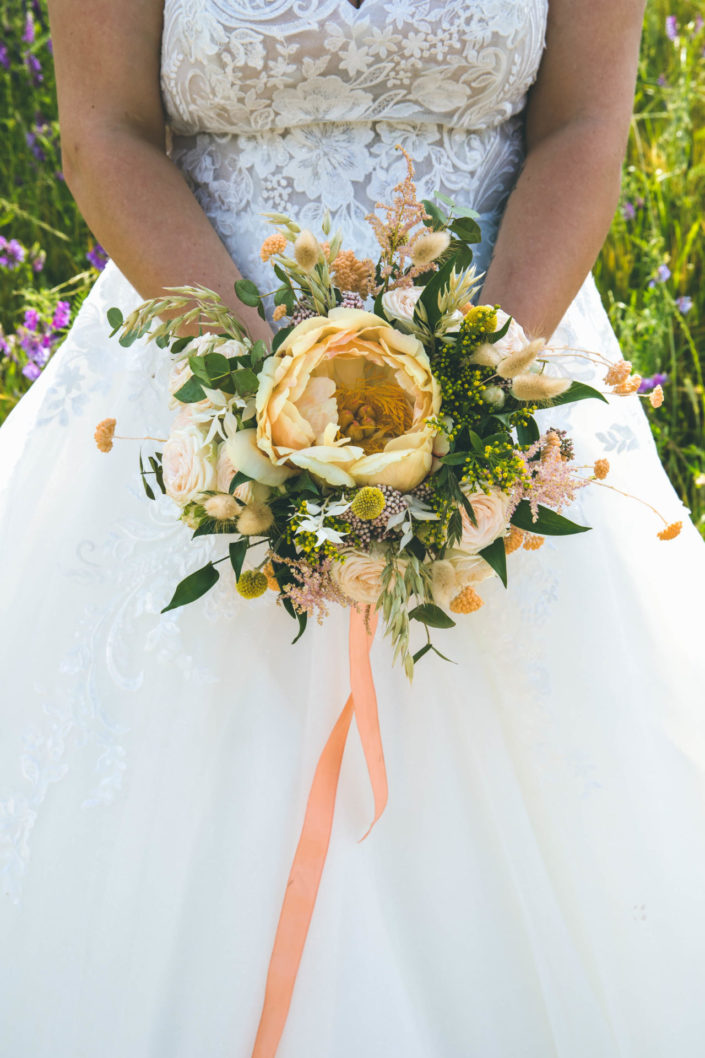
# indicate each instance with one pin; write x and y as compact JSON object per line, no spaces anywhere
{"x":115,"y":319}
{"x":193,"y":586}
{"x":247,"y":292}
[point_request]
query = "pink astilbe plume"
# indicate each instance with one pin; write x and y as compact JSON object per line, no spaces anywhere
{"x":551,"y":480}
{"x":314,"y":587}
{"x":393,"y":233}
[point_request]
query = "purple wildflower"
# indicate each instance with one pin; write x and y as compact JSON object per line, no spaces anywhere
{"x":12,"y":253}
{"x":663,"y":272}
{"x":97,"y":257}
{"x":647,"y":384}
{"x":50,"y":46}
{"x":628,"y":211}
{"x":38,"y":261}
{"x":4,"y":56}
{"x":661,"y":80}
{"x":31,"y":319}
{"x":28,"y":35}
{"x":34,"y":67}
{"x":672,"y":27}
{"x":31,"y":371}
{"x":34,"y":146}
{"x":684,"y":304}
{"x":62,"y":315}
{"x":699,"y":23}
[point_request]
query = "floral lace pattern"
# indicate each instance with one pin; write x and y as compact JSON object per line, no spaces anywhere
{"x":292,"y":107}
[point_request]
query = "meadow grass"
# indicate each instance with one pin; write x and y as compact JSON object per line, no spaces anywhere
{"x":650,"y":272}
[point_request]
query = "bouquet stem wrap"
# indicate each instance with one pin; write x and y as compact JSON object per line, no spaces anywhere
{"x":312,"y":849}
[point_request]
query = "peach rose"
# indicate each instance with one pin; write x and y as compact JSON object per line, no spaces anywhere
{"x":345,"y":397}
{"x":359,"y":576}
{"x":492,"y":515}
{"x":401,"y":302}
{"x":188,"y":464}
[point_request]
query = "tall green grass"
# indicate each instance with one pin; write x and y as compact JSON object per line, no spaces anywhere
{"x":652,"y":259}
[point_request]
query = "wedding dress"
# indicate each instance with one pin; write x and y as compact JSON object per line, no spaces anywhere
{"x":536,"y":885}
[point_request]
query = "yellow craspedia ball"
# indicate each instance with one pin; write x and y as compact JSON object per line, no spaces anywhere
{"x":252,"y":583}
{"x":481,"y":318}
{"x":368,"y":503}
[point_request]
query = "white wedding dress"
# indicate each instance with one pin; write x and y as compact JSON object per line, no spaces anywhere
{"x":536,"y":885}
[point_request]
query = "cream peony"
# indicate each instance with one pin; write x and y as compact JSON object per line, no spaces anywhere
{"x":492,"y":512}
{"x":359,"y":576}
{"x":345,"y":397}
{"x":188,"y":464}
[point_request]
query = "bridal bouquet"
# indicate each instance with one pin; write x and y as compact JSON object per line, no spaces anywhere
{"x":383,"y":453}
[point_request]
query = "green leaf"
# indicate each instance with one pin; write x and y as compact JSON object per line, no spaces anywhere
{"x":493,"y":338}
{"x":238,"y":479}
{"x":422,"y":652}
{"x":430,"y":614}
{"x":247,"y":292}
{"x":238,"y":550}
{"x":455,"y":459}
{"x":147,"y":487}
{"x":245,"y":381}
{"x":128,"y":339}
{"x":304,"y":483}
{"x":257,"y":354}
{"x":577,"y":391}
{"x":191,"y":392}
{"x":115,"y":319}
{"x":444,"y":658}
{"x":495,"y":556}
{"x":548,"y":524}
{"x":444,"y":199}
{"x":279,"y":337}
{"x":416,"y":548}
{"x":217,"y":365}
{"x":466,"y":229}
{"x":198,"y":367}
{"x":180,"y":344}
{"x":526,"y":435}
{"x":193,"y":586}
{"x":158,"y":472}
{"x":468,"y":507}
{"x":438,"y":217}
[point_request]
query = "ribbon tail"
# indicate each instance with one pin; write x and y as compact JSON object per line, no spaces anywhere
{"x":302,"y":889}
{"x":365,"y":703}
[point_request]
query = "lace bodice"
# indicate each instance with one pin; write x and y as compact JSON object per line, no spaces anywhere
{"x":294,"y":105}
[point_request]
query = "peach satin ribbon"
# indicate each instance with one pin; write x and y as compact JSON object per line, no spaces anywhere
{"x":310,"y":856}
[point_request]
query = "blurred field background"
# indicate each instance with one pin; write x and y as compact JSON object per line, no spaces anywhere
{"x":650,"y":272}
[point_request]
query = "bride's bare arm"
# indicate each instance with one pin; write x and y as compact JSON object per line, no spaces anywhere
{"x":577,"y":125}
{"x":134,"y":199}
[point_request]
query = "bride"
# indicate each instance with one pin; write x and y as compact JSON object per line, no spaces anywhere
{"x":535,"y":886}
